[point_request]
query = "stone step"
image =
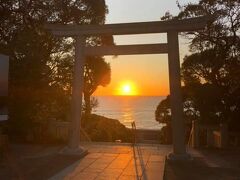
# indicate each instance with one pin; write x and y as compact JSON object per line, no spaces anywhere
{"x":144,"y":141}
{"x":147,"y":136}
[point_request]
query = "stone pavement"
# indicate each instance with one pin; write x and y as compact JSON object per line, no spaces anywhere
{"x":107,"y":161}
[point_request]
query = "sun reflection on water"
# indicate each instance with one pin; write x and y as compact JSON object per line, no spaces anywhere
{"x":127,"y":112}
{"x":127,"y":109}
{"x":128,"y":116}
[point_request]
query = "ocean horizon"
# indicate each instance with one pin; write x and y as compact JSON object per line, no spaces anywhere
{"x":127,"y":109}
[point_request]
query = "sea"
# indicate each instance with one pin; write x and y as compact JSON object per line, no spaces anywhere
{"x":127,"y":109}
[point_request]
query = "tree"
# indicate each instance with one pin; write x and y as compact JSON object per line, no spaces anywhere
{"x":163,"y":116}
{"x":211,"y":73}
{"x":163,"y":112}
{"x":40,"y":64}
{"x":97,"y":72}
{"x":214,"y":65}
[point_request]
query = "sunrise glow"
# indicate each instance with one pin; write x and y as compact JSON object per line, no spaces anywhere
{"x":127,"y":89}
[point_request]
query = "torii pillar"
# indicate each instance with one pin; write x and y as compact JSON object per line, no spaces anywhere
{"x":76,"y":103}
{"x":77,"y":92}
{"x":178,"y":129}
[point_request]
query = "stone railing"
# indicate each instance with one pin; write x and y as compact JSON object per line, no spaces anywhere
{"x":217,"y":141}
{"x":234,"y":138}
{"x":215,"y":136}
{"x":61,"y":131}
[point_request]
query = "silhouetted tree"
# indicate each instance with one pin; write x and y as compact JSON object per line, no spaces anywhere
{"x":211,"y":74}
{"x":97,"y":72}
{"x":163,"y":116}
{"x":40,"y":64}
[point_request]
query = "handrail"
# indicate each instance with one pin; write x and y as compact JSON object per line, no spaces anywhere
{"x":134,"y":132}
{"x":190,"y":138}
{"x":84,"y":133}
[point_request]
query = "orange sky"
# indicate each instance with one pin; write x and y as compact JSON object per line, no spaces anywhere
{"x":148,"y":78}
{"x":147,"y":73}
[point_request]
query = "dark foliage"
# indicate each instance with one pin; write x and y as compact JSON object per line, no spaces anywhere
{"x":41,"y":65}
{"x":211,"y":74}
{"x":103,"y":129}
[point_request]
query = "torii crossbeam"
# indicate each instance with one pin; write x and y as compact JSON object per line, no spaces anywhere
{"x":171,"y":27}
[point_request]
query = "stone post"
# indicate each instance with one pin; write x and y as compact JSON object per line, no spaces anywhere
{"x":4,"y":71}
{"x":209,"y":137}
{"x":224,"y":135}
{"x":195,"y":139}
{"x":179,"y":149}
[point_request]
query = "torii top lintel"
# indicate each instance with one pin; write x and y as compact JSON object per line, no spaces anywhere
{"x":184,"y":25}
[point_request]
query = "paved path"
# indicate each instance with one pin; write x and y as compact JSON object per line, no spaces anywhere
{"x":108,"y":161}
{"x":218,"y":158}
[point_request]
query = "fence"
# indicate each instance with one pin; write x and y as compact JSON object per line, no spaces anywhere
{"x":207,"y":135}
{"x":55,"y":131}
{"x":59,"y":130}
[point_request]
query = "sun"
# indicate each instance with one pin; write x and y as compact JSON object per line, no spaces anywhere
{"x":127,"y":89}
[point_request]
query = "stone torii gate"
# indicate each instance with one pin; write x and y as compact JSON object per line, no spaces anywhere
{"x":171,"y":27}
